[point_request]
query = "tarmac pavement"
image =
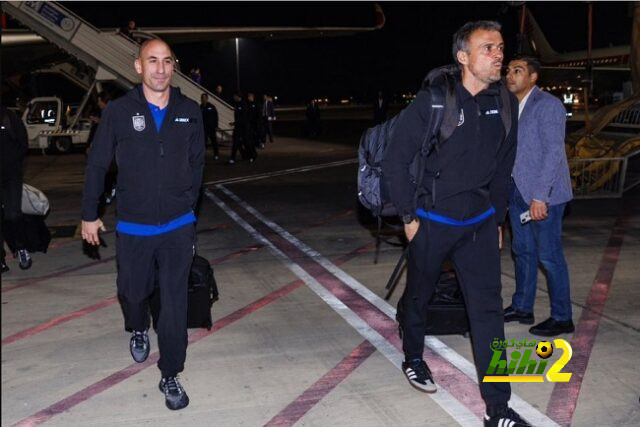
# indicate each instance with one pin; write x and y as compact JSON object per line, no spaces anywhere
{"x":301,"y":332}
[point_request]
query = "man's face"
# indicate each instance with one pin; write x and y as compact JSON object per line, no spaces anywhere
{"x":155,"y":66}
{"x":250,"y":97}
{"x":484,"y":58}
{"x":132,"y":25}
{"x":519,"y":79}
{"x":204,"y":98}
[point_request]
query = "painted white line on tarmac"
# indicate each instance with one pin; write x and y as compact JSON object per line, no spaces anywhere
{"x":521,"y":406}
{"x":461,"y":414}
{"x":282,"y":172}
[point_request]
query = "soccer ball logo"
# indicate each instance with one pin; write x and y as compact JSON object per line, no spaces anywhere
{"x":544,"y":349}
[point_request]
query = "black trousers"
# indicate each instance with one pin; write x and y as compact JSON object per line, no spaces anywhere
{"x":13,"y":224}
{"x":476,"y":258}
{"x":242,"y":143}
{"x":138,"y":258}
{"x":266,"y":129}
{"x":210,"y":131}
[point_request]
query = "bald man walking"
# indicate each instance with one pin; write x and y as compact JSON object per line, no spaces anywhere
{"x":156,"y":136}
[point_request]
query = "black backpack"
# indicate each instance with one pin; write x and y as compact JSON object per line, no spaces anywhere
{"x":440,"y":82}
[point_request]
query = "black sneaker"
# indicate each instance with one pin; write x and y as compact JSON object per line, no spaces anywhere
{"x":419,"y":375}
{"x":174,"y":395}
{"x":5,"y":267}
{"x":24,"y":259}
{"x":503,"y":416}
{"x":139,"y":346}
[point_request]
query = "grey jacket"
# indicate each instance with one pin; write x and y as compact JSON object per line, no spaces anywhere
{"x":541,"y":170}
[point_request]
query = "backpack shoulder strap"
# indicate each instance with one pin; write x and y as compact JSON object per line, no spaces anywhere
{"x":431,"y":137}
{"x":451,"y":114}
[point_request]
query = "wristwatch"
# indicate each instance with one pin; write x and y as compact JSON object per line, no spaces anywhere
{"x":408,"y":218}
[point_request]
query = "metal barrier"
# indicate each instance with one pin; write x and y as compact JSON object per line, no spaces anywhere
{"x":628,"y":118}
{"x":607,"y":177}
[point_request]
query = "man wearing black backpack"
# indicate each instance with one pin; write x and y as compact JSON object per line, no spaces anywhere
{"x":461,"y":200}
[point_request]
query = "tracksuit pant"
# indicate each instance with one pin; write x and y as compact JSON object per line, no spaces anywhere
{"x":476,"y":258}
{"x":138,"y":258}
{"x":211,"y":132}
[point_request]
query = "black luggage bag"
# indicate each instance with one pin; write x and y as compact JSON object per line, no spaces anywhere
{"x":446,"y":312}
{"x":203,"y":292}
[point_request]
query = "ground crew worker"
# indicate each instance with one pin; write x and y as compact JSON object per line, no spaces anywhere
{"x":156,"y":135}
{"x":463,"y":198}
{"x":240,"y":132}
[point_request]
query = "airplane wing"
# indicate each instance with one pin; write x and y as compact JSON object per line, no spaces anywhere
{"x":178,"y":35}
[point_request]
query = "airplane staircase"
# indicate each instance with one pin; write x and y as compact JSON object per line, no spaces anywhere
{"x":110,"y":54}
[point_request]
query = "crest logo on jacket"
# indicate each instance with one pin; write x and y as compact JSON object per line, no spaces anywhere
{"x":138,"y":123}
{"x":461,"y":119}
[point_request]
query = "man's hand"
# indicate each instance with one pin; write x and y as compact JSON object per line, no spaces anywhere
{"x":411,"y":229}
{"x":538,"y":210}
{"x":90,"y":231}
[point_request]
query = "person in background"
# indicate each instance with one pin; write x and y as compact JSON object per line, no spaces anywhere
{"x":542,"y":187}
{"x":313,"y":119}
{"x":253,"y":121}
{"x":15,"y":144}
{"x":380,"y":107}
{"x":267,"y":117}
{"x":210,"y":117}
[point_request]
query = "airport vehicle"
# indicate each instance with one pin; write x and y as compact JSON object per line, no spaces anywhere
{"x":52,"y":125}
{"x":109,"y":54}
{"x":109,"y":50}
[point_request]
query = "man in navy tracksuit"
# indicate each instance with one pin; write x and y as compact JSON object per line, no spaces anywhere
{"x":462,"y":201}
{"x":156,"y":136}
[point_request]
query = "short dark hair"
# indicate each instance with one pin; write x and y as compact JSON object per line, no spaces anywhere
{"x":461,"y":37}
{"x":533,"y":64}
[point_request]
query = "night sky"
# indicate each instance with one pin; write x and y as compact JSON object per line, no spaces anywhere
{"x":416,"y":38}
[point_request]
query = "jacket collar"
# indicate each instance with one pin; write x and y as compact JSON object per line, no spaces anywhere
{"x":532,"y":99}
{"x":464,"y":94}
{"x":138,"y":95}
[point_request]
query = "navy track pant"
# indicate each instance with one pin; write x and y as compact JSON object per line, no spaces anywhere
{"x":169,"y":256}
{"x":476,"y":258}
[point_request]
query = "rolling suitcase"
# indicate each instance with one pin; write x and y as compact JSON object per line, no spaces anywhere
{"x":446,"y":312}
{"x":203,"y":292}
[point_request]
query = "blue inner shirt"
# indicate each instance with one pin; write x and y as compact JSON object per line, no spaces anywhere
{"x":158,"y":114}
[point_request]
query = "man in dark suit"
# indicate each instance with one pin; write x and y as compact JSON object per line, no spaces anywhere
{"x":268,"y":116}
{"x":542,"y":188}
{"x":380,"y":108}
